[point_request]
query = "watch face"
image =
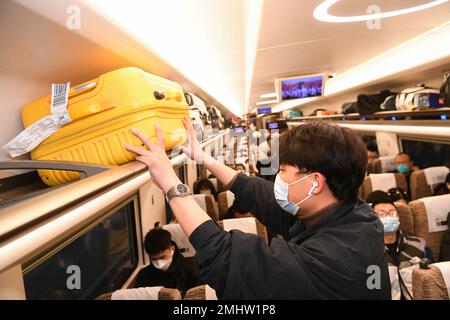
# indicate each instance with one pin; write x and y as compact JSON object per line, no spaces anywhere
{"x":182,"y":188}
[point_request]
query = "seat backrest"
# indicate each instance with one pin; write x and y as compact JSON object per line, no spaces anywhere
{"x":181,"y":239}
{"x":248,"y":225}
{"x":196,"y":293}
{"x":423,"y":181}
{"x":216,"y":183}
{"x":373,"y":166}
{"x":429,"y":284}
{"x":225,"y":200}
{"x":386,"y":164}
{"x":142,"y":294}
{"x":202,"y":292}
{"x":405,"y":217}
{"x":208,"y":204}
{"x":430,"y":220}
{"x":383,"y":182}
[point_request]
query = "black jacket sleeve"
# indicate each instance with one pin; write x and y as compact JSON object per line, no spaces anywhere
{"x":140,"y":280}
{"x":241,"y":266}
{"x":256,"y":196}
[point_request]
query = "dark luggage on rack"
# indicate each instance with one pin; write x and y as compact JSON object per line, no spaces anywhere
{"x":349,"y":107}
{"x":370,"y":103}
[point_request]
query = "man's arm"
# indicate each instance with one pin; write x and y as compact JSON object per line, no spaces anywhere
{"x":256,"y":196}
{"x":241,"y":266}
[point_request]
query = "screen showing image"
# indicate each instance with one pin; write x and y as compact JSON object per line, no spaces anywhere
{"x":273,"y":125}
{"x":265,"y":110}
{"x":239,"y":130}
{"x":304,"y":87}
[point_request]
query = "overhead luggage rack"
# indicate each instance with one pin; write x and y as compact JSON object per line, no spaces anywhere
{"x":427,"y":114}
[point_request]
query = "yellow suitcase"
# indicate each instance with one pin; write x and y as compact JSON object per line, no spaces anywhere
{"x":103,"y":111}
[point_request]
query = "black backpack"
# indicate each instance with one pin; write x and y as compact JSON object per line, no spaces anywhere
{"x":349,"y":107}
{"x":370,"y":103}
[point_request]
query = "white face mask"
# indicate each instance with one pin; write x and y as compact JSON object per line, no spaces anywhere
{"x":205,"y":192}
{"x":163,"y":264}
{"x":281,"y":190}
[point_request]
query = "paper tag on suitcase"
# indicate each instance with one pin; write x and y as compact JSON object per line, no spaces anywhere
{"x":60,"y":97}
{"x":32,"y":136}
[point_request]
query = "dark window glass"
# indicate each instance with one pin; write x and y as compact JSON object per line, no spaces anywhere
{"x":427,"y":154}
{"x":179,"y":171}
{"x":106,"y":256}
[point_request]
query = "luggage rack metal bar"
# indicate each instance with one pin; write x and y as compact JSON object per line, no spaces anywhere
{"x":27,"y":226}
{"x":417,"y":114}
{"x":428,"y":130}
{"x":85,"y":170}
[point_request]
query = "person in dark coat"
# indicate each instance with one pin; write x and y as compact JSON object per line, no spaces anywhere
{"x":333,"y":246}
{"x":168,"y":267}
{"x":403,"y":250}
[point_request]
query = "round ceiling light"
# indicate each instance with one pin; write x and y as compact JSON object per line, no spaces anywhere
{"x":321,"y":12}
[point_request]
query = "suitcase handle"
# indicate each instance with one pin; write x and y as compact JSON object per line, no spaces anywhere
{"x":85,"y":170}
{"x":160,"y":95}
{"x":83,"y":89}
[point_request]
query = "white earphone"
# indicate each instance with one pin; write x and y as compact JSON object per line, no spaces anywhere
{"x":314,"y":185}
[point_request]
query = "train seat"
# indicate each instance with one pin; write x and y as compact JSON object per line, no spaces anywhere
{"x":225,"y":200}
{"x":432,"y":283}
{"x":424,"y":181}
{"x":203,"y":292}
{"x":248,"y":225}
{"x":405,"y":216}
{"x":384,"y":164}
{"x":382,"y":181}
{"x":145,"y":293}
{"x":181,"y":239}
{"x":208,"y":204}
{"x":430,"y":220}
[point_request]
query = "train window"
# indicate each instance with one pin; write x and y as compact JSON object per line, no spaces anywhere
{"x":427,"y":154}
{"x":103,"y":259}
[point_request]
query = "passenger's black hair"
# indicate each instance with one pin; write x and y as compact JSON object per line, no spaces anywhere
{"x":398,"y":193}
{"x":403,"y":154}
{"x":157,"y":240}
{"x":371,"y":143}
{"x":207,"y":184}
{"x":447,"y":178}
{"x":239,"y":164}
{"x":377,"y":197}
{"x":336,"y":152}
{"x":235,"y":207}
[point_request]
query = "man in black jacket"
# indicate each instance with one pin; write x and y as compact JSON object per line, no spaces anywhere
{"x":168,"y":267}
{"x":333,"y":247}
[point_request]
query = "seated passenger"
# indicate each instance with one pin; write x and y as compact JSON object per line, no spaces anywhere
{"x":405,"y":166}
{"x":235,"y":211}
{"x":240,"y":168}
{"x":398,"y":194}
{"x":443,"y":188}
{"x":401,"y":249}
{"x":372,"y":148}
{"x":205,"y":186}
{"x":168,"y":267}
{"x":372,"y":154}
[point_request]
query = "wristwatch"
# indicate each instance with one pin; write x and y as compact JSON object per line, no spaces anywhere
{"x":180,"y":190}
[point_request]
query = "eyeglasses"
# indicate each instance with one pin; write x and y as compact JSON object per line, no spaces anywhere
{"x":384,"y":214}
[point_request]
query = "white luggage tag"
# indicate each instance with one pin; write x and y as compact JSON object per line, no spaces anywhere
{"x":32,"y":136}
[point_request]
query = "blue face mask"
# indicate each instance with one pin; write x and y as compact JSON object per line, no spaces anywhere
{"x":281,"y":190}
{"x":390,"y":225}
{"x":403,"y":168}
